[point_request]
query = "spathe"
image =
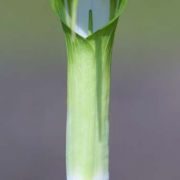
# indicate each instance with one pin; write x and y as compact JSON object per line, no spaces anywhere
{"x":89,"y":42}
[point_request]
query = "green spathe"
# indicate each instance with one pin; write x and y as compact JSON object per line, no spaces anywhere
{"x":89,"y":66}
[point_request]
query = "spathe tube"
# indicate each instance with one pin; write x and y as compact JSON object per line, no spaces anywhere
{"x":89,"y":76}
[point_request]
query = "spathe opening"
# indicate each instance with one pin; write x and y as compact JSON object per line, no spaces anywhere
{"x":91,"y":15}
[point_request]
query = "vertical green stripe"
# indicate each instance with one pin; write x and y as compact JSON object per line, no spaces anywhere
{"x":90,"y":22}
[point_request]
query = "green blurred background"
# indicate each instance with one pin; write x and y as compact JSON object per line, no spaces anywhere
{"x":145,"y":98}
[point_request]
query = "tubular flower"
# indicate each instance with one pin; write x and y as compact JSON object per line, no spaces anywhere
{"x":89,"y":27}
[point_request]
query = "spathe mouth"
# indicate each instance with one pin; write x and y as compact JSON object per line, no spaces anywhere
{"x":90,"y":15}
{"x":94,"y":12}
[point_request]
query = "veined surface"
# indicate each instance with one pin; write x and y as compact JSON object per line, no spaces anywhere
{"x":100,"y":11}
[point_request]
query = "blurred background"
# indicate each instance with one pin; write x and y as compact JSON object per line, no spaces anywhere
{"x":145,"y":93}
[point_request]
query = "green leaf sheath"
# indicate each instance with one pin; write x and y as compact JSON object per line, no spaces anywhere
{"x":89,"y":63}
{"x":89,"y":71}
